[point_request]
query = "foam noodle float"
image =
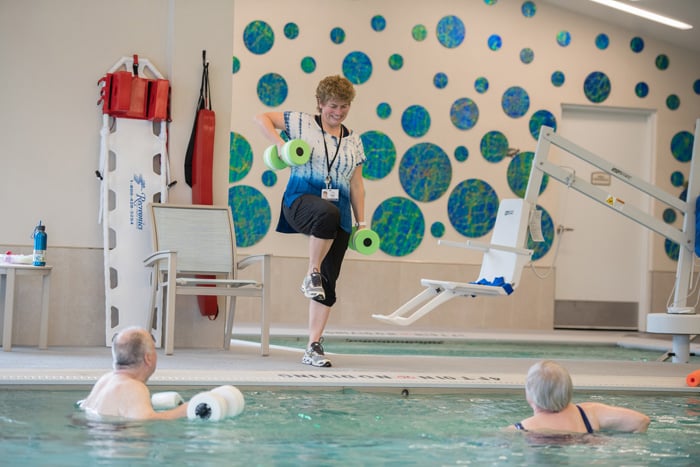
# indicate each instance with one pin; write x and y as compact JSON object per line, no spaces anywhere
{"x":272,"y":159}
{"x":295,"y":152}
{"x":693,"y":379}
{"x":166,"y":400}
{"x":364,"y":241}
{"x":217,"y":404}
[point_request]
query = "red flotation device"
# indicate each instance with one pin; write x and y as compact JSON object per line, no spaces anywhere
{"x":199,"y":162}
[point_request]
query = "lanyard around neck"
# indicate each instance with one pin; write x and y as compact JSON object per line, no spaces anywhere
{"x":329,"y":163}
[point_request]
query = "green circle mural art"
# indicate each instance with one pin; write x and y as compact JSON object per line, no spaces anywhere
{"x":494,"y":146}
{"x":272,"y":89}
{"x":597,"y":87}
{"x":464,"y":113}
{"x":381,"y":155}
{"x":240,"y":158}
{"x":518,"y":174}
{"x":357,"y":67}
{"x":682,"y":146}
{"x":400,"y":225}
{"x":450,"y":31}
{"x":472,"y":208}
{"x":258,"y":37}
{"x":251,"y":214}
{"x":425,"y":172}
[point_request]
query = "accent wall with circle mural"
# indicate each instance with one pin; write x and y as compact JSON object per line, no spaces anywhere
{"x":451,"y":96}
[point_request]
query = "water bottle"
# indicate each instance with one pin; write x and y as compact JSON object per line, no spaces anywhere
{"x":40,"y":245}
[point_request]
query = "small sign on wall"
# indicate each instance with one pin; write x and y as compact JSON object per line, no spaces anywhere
{"x":600,"y":178}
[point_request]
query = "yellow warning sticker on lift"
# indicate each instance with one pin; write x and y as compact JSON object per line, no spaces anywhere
{"x":613,"y":202}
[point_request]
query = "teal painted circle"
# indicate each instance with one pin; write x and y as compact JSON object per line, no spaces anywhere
{"x":669,"y":216}
{"x":597,"y":87}
{"x":308,"y":64}
{"x":425,"y":172}
{"x":563,"y":38}
{"x":251,"y":214}
{"x":400,"y":226}
{"x":415,"y":121}
{"x":437,"y":230}
{"x":527,"y":55}
{"x":440,"y":80}
{"x":515,"y":102}
{"x":235,"y":65}
{"x":602,"y":41}
{"x":641,"y":89}
{"x":490,"y":2}
{"x":673,"y":102}
{"x":450,"y":31}
{"x":269,"y":178}
{"x":357,"y":67}
{"x":518,"y":174}
{"x":272,"y":89}
{"x":240,"y":157}
{"x":381,"y":155}
{"x":378,"y":23}
{"x":541,"y":248}
{"x":637,"y":44}
{"x":677,"y":179}
{"x":539,"y":118}
{"x":258,"y":37}
{"x":494,"y":42}
{"x":464,"y":113}
{"x":395,"y":62}
{"x":558,"y":78}
{"x":383,"y":110}
{"x":472,"y":208}
{"x":494,"y":146}
{"x":672,"y":249}
{"x":419,"y":33}
{"x":291,"y":30}
{"x":461,"y":153}
{"x":529,"y":9}
{"x":662,"y":62}
{"x":337,"y":35}
{"x":696,"y":86}
{"x":682,"y":146}
{"x":481,"y":85}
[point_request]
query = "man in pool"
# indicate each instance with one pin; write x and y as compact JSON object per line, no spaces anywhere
{"x":548,"y":390}
{"x":123,"y":392}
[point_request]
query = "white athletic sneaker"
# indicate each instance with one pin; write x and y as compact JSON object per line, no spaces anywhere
{"x":314,"y":356}
{"x":312,"y":287}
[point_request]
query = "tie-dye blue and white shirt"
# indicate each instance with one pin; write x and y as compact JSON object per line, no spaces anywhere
{"x":310,"y":178}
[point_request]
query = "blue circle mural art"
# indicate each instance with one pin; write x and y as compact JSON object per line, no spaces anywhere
{"x":383,"y":110}
{"x":464,"y":113}
{"x":425,"y":172}
{"x":672,"y":249}
{"x":677,"y":179}
{"x":539,"y":118}
{"x":662,"y":61}
{"x":251,"y":214}
{"x":450,"y":31}
{"x":696,"y":86}
{"x":308,"y":64}
{"x":419,"y":32}
{"x":494,"y":42}
{"x":381,"y":155}
{"x":518,"y":173}
{"x":461,"y":153}
{"x":472,"y":208}
{"x":527,"y":55}
{"x":597,"y":87}
{"x":673,"y":102}
{"x":291,"y":30}
{"x":528,"y":9}
{"x":440,"y":80}
{"x":669,"y":216}
{"x":415,"y":121}
{"x":269,"y":178}
{"x":240,"y":157}
{"x":357,"y":67}
{"x":337,"y":35}
{"x":541,"y":248}
{"x":558,"y":78}
{"x":494,"y":146}
{"x":258,"y":37}
{"x":395,"y":62}
{"x":682,"y":146}
{"x":437,"y":230}
{"x":272,"y":89}
{"x":641,"y":89}
{"x":563,"y":38}
{"x":235,"y":65}
{"x":602,"y":41}
{"x":400,"y":225}
{"x":378,"y":23}
{"x":515,"y":102}
{"x":481,"y":85}
{"x":637,"y":44}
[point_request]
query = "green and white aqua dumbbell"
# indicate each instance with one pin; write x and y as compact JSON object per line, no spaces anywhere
{"x":294,"y":152}
{"x":364,"y":241}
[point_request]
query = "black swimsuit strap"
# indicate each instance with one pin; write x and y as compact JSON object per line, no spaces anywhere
{"x":589,"y":428}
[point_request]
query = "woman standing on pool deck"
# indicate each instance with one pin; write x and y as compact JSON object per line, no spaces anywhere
{"x":320,"y":195}
{"x":548,"y":389}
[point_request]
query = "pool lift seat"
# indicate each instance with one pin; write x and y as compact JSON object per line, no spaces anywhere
{"x":503,"y":261}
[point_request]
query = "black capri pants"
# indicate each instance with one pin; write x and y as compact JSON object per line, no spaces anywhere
{"x":311,"y":215}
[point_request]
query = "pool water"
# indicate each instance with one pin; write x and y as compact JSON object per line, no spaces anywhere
{"x":340,"y":428}
{"x":472,"y":348}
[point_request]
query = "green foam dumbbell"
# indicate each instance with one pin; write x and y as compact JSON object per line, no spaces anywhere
{"x":364,"y":241}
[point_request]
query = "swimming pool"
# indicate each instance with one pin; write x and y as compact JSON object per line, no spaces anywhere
{"x":458,"y":347}
{"x":334,"y":428}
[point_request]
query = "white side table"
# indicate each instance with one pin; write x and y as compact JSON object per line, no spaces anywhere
{"x":8,"y":274}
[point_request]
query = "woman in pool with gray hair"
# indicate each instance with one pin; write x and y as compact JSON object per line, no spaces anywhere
{"x":549,"y":389}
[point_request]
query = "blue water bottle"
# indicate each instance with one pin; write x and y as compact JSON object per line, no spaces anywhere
{"x":40,"y":245}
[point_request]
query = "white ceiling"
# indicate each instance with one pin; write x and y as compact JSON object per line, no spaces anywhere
{"x":687,"y":11}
